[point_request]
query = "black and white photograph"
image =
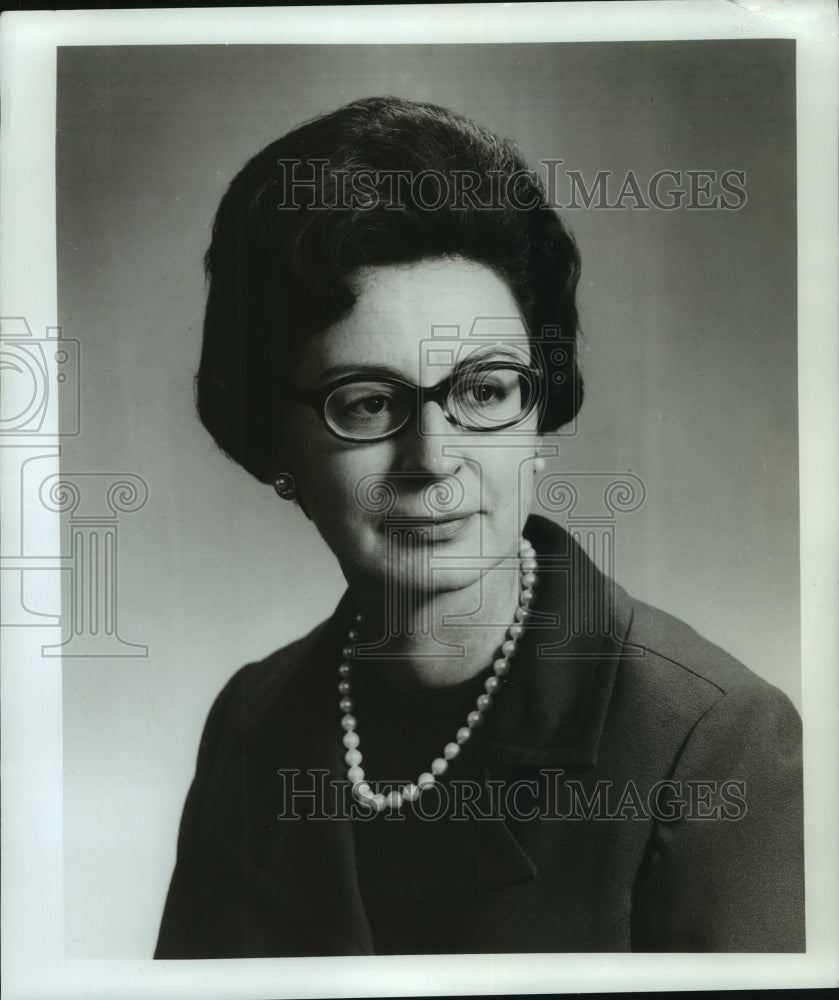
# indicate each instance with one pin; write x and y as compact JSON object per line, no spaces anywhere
{"x":418,"y":467}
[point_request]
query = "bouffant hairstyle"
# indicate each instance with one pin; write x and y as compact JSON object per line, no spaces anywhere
{"x":379,"y":181}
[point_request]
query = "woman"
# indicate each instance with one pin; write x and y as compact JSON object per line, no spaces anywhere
{"x":446,"y":764}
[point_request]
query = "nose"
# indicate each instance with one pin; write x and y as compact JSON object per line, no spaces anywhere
{"x":425,"y":445}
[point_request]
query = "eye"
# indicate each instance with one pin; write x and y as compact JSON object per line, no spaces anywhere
{"x":489,"y":396}
{"x":366,"y":410}
{"x":486,"y":391}
{"x":367,"y":404}
{"x":373,"y":404}
{"x":487,"y":388}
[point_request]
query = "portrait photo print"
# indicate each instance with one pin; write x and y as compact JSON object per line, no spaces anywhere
{"x":403,"y":302}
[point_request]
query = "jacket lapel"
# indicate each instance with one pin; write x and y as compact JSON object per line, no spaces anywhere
{"x":557,"y":696}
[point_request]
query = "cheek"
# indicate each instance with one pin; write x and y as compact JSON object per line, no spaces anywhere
{"x":507,"y":475}
{"x":339,"y":485}
{"x":328,"y":489}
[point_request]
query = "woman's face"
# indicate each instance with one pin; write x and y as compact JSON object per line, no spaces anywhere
{"x":464,"y":493}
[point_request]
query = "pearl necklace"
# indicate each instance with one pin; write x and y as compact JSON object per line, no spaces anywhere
{"x":501,"y":667}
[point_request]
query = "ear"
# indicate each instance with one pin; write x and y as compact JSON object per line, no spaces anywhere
{"x":540,"y":452}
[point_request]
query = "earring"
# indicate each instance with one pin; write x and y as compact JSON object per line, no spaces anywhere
{"x":538,"y":464}
{"x":285,"y":486}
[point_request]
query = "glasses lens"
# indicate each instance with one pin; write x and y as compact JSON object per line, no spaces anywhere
{"x":492,"y":396}
{"x":364,"y":411}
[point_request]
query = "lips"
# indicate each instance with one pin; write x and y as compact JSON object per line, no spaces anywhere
{"x":437,"y":529}
{"x":425,"y":518}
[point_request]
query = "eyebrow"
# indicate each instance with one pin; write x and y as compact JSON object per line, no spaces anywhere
{"x":337,"y":371}
{"x":363,"y":371}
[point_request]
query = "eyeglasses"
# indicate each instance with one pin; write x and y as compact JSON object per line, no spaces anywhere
{"x":489,"y":395}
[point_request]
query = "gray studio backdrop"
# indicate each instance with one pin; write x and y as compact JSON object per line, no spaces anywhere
{"x":690,"y":357}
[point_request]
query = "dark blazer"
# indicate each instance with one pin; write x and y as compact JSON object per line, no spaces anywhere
{"x":676,"y":823}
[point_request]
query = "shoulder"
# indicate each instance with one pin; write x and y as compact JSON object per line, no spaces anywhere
{"x":680,"y":680}
{"x":660,"y":675}
{"x":665,"y":668}
{"x":248,"y":702}
{"x":677,"y":657}
{"x":272,"y":674}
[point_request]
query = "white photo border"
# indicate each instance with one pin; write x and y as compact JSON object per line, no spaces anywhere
{"x":32,"y":840}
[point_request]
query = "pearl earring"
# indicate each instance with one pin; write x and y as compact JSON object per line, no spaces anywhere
{"x":538,"y":464}
{"x":285,"y":486}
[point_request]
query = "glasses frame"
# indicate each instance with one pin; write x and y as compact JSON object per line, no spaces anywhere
{"x":438,"y":393}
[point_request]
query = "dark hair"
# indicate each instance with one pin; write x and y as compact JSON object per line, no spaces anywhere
{"x":325,"y":200}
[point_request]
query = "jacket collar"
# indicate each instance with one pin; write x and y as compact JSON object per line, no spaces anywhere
{"x":558,"y":692}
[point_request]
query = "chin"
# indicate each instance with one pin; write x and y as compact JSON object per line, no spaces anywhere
{"x":409,"y":573}
{"x":448,"y":583}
